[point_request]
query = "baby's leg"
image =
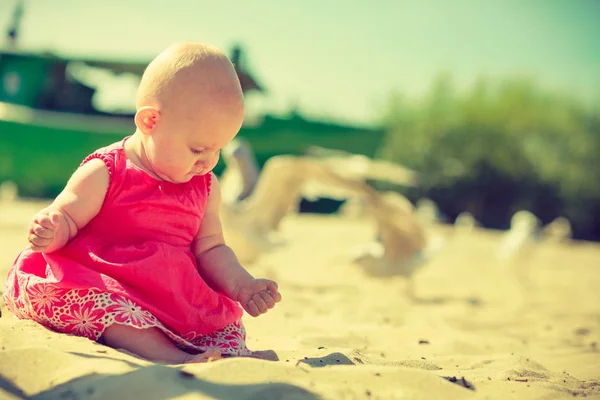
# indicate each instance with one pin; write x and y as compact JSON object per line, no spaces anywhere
{"x":153,"y":345}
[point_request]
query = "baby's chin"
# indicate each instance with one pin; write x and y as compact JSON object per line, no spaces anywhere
{"x":188,"y":177}
{"x":183,"y":178}
{"x":176,"y":179}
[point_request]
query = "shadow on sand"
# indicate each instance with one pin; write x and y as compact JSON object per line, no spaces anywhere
{"x":156,"y":382}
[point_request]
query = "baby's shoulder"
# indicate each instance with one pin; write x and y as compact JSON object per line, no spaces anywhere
{"x":108,"y":155}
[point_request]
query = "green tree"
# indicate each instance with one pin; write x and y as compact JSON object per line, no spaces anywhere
{"x":499,"y":147}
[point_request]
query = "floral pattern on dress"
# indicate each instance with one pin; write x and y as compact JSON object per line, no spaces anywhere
{"x":88,"y":312}
{"x":44,"y":298}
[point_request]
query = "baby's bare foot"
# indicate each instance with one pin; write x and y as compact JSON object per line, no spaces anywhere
{"x":208,"y":356}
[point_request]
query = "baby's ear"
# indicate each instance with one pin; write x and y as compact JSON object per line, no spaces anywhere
{"x":146,"y":119}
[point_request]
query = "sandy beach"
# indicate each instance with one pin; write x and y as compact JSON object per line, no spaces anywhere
{"x":477,"y":328}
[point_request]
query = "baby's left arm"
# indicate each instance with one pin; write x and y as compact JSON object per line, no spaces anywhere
{"x":221,"y":269}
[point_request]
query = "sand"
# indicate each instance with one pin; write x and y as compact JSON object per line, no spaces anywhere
{"x":478,"y":328}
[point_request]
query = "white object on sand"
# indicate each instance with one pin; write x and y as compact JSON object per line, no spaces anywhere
{"x":558,"y":230}
{"x":428,"y":212}
{"x":520,"y":238}
{"x":241,"y":172}
{"x":249,"y":225}
{"x":465,"y":222}
{"x":401,"y":237}
{"x":357,"y":168}
{"x":9,"y":192}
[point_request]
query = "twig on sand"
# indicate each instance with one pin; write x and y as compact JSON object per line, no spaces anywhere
{"x":462,"y":381}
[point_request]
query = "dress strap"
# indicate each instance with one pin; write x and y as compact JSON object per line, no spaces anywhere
{"x":109,"y":155}
{"x":107,"y":158}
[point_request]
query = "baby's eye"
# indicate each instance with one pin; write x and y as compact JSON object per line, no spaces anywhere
{"x":197,"y":152}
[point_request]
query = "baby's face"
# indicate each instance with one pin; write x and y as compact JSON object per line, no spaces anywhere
{"x":188,"y":139}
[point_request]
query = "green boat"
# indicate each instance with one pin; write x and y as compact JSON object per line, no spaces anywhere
{"x":48,"y":122}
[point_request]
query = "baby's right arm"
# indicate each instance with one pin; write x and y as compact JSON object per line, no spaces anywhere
{"x":75,"y":206}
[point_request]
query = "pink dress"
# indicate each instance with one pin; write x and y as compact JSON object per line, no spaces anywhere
{"x":132,"y":265}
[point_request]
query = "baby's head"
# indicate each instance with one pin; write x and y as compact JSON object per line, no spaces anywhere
{"x":189,"y":106}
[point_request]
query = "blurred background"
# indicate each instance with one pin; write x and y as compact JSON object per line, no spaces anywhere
{"x":495,"y":104}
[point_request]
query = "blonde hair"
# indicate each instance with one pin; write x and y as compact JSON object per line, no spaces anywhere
{"x":185,"y":61}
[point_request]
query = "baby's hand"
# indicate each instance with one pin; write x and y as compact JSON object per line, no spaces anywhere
{"x":42,"y":230}
{"x":257,"y":296}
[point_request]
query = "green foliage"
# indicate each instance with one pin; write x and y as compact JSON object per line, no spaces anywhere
{"x":500,"y":147}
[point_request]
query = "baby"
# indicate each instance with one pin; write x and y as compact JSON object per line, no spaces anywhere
{"x":131,"y":253}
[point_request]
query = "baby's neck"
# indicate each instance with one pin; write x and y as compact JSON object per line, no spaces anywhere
{"x":134,"y":151}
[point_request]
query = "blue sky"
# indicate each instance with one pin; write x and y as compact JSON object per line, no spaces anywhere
{"x":339,"y":59}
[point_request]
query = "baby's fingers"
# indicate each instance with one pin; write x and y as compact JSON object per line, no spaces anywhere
{"x":272,"y":286}
{"x":268,"y":299}
{"x":252,"y":309}
{"x":274,"y":293}
{"x":38,"y":243}
{"x":42,"y":232}
{"x":260,"y":303}
{"x":44,"y":220}
{"x":54,"y":218}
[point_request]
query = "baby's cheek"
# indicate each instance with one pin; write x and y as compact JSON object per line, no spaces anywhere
{"x":215,"y":160}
